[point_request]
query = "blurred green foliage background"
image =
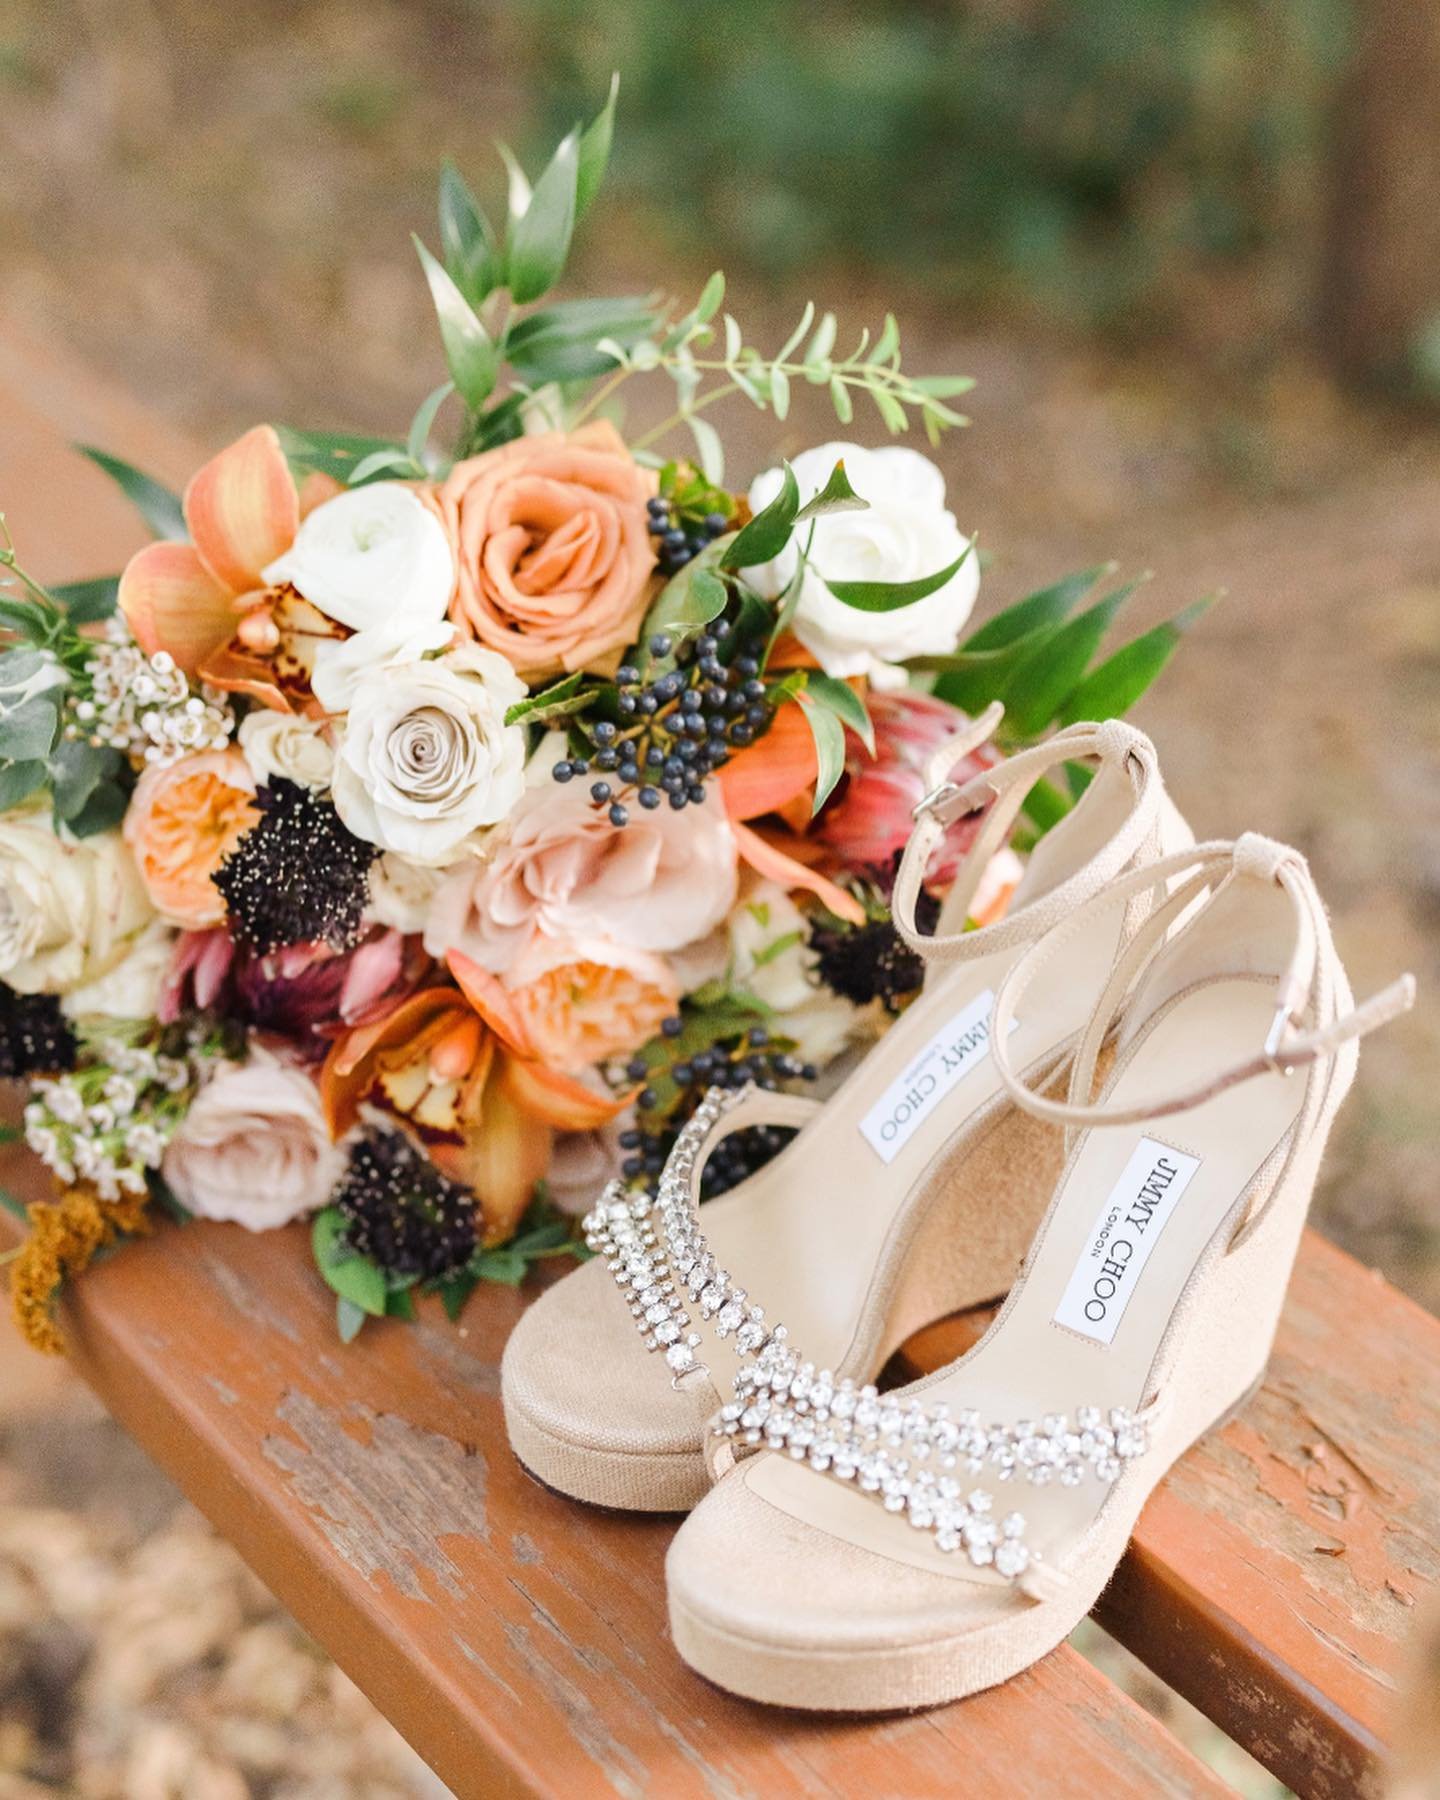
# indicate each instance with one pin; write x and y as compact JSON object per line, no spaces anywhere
{"x":1088,"y":161}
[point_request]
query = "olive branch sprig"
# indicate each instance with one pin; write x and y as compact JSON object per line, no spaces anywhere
{"x":679,"y":350}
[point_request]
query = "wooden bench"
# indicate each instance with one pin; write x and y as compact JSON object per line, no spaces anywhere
{"x":519,"y":1641}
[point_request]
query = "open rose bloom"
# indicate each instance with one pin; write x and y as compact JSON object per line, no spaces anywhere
{"x":427,"y":807}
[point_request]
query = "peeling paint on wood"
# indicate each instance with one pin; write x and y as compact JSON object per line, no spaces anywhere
{"x":384,"y":1501}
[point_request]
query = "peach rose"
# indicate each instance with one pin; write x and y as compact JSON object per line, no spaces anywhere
{"x":184,"y":820}
{"x":582,"y":1002}
{"x":552,"y":547}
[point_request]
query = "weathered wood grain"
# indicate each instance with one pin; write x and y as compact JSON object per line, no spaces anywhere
{"x":1273,"y":1578}
{"x":518,"y":1640}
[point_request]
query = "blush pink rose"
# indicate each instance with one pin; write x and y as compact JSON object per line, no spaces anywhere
{"x":580,"y":1003}
{"x":564,"y":872}
{"x":552,"y":547}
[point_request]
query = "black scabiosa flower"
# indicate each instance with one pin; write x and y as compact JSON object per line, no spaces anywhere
{"x":869,"y":962}
{"x":35,"y":1036}
{"x":296,"y":877}
{"x":401,"y":1212}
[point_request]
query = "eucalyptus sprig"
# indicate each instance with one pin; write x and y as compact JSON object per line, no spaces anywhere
{"x":873,"y":369}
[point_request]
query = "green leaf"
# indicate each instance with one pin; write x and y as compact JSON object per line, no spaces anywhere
{"x":18,"y":781}
{"x":836,"y":496}
{"x":709,"y":448}
{"x":768,"y":532}
{"x":423,"y":423}
{"x":1113,"y":688}
{"x":562,"y":342}
{"x":400,"y":1304}
{"x":889,"y":409}
{"x":472,"y":255}
{"x":539,"y":239}
{"x":552,"y":702}
{"x":837,"y":697}
{"x":454,"y":1291}
{"x":17,"y":1208}
{"x":841,"y":401}
{"x":712,"y":296}
{"x":382,"y":463}
{"x":160,"y":509}
{"x":689,"y":600}
{"x":1045,"y":805}
{"x":354,"y":1278}
{"x":1046,"y":607}
{"x":77,"y":771}
{"x":29,"y":730}
{"x":890,"y":596}
{"x":829,"y":736}
{"x":85,"y":602}
{"x":789,"y":600}
{"x":1041,"y":681}
{"x":594,"y":157}
{"x":942,"y":387}
{"x":103,"y":811}
{"x":887,"y":343}
{"x":469,"y":352}
{"x":333,"y":453}
{"x":501,"y":1265}
{"x":348,"y":1319}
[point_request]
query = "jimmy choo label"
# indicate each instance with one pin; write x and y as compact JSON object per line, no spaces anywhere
{"x":945,"y":1061}
{"x":1122,"y":1239}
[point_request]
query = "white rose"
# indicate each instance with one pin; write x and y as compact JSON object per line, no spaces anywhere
{"x":426,"y":759}
{"x":904,"y":534}
{"x":341,"y":665}
{"x":401,"y":892}
{"x":68,"y":911}
{"x":371,"y":554}
{"x":769,"y":959}
{"x":287,"y":745}
{"x":131,"y":990}
{"x":253,"y":1147}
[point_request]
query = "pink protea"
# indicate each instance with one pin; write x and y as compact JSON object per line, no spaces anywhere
{"x":306,"y":992}
{"x":868,"y":823}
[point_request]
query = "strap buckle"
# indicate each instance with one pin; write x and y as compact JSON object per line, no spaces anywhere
{"x":940,"y":800}
{"x":1285,"y":1020}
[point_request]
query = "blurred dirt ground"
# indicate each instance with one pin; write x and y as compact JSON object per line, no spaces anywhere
{"x":211,"y":202}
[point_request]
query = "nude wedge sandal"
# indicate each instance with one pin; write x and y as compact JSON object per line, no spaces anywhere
{"x":592,"y":1415}
{"x":865,"y":1551}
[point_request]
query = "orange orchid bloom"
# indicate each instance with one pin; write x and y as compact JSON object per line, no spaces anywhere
{"x":771,"y":776}
{"x":455,"y":1064}
{"x":206,"y":602}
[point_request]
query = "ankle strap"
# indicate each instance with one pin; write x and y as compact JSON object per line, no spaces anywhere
{"x":1304,"y":987}
{"x":1002,"y":791}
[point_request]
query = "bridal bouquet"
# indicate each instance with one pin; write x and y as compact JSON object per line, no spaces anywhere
{"x":409,"y":836}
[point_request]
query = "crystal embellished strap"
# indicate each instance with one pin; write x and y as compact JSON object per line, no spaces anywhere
{"x":913,"y":1458}
{"x":661,"y":1261}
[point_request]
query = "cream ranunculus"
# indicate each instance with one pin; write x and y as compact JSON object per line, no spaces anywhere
{"x":904,"y":534}
{"x":340,"y":666}
{"x":401,"y":892}
{"x":285,"y":744}
{"x":426,"y":759}
{"x":131,"y":990}
{"x":68,"y":911}
{"x":253,"y":1147}
{"x":371,"y":554}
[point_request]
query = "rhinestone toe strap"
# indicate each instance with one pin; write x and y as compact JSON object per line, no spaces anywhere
{"x":661,"y":1262}
{"x":913,"y":1458}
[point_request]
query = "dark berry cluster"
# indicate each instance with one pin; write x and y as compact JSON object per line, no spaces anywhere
{"x":297,"y":876}
{"x":676,"y":729}
{"x":35,"y":1036}
{"x":748,"y":1056}
{"x":679,"y":540}
{"x":401,"y":1212}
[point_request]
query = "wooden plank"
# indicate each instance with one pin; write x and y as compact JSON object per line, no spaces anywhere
{"x":1273,"y":1577}
{"x":516,"y":1639}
